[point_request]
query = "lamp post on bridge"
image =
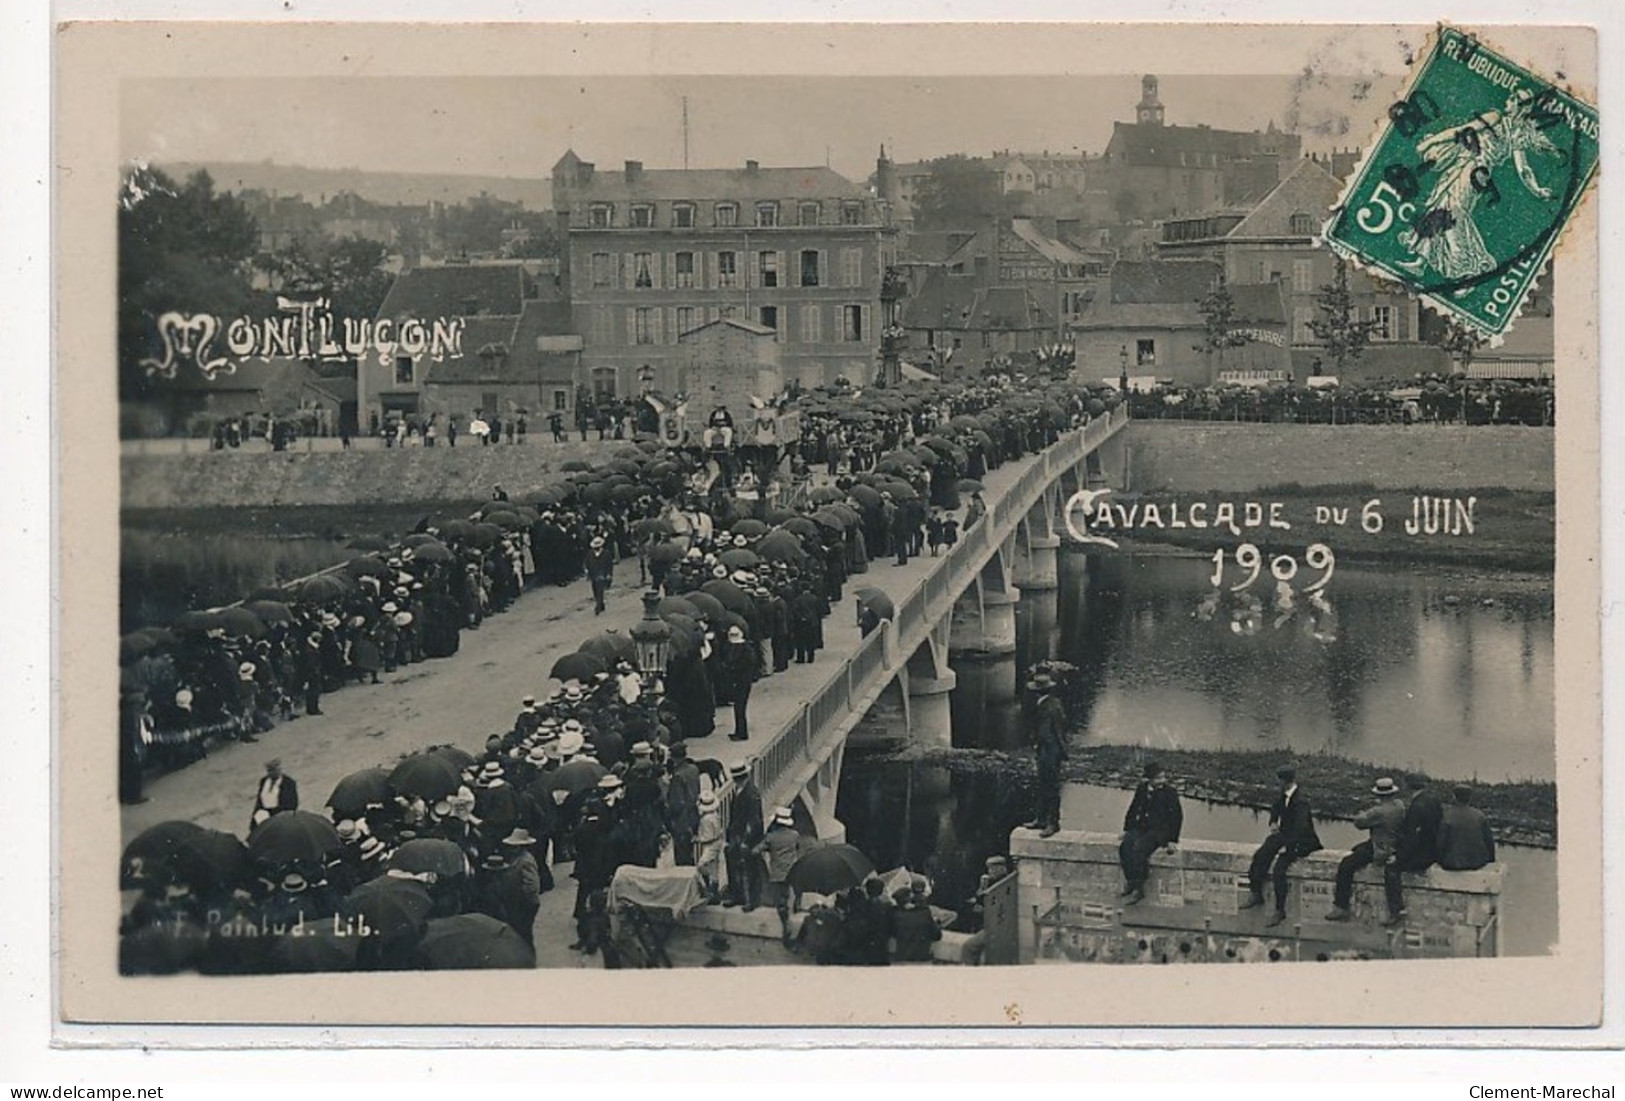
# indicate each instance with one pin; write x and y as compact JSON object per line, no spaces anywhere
{"x":652,"y":636}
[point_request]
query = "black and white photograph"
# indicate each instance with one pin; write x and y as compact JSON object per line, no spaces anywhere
{"x":1004,"y":521}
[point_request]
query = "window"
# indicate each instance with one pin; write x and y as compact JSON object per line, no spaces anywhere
{"x":767,"y":214}
{"x":1382,"y":322}
{"x":851,"y":322}
{"x":1145,"y":353}
{"x":682,"y":215}
{"x":768,"y":267}
{"x":727,"y":269}
{"x":643,"y":216}
{"x":769,"y":316}
{"x":642,"y":325}
{"x":1303,"y":276}
{"x":809,"y":267}
{"x":404,"y":372}
{"x":640,"y":268}
{"x":684,"y":264}
{"x":727,"y":214}
{"x":808,"y":214}
{"x":812,"y":325}
{"x":601,"y":215}
{"x":603,"y":326}
{"x":851,"y":267}
{"x":603,"y":269}
{"x":1302,"y":331}
{"x":561,"y":400}
{"x":685,"y":319}
{"x":603,"y":382}
{"x":1302,"y":225}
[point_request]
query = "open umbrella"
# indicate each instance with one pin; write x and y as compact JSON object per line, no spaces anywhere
{"x":320,"y":589}
{"x":162,"y":948}
{"x":776,"y":516}
{"x":426,"y":776}
{"x":877,"y":602}
{"x":781,"y":546}
{"x":214,"y":862}
{"x":470,"y":941}
{"x":369,"y":543}
{"x":417,"y":539}
{"x":829,"y":518}
{"x":830,"y":869}
{"x":197,"y":621}
{"x":270,"y":611}
{"x":968,"y":485}
{"x":575,"y":466}
{"x":505,"y":519}
{"x":664,"y":554}
{"x":484,"y":535}
{"x":731,"y":596}
{"x":429,"y":856}
{"x":366,"y":565}
{"x":659,"y":525}
{"x":456,"y":528}
{"x":710,"y":607}
{"x":749,"y":527}
{"x":867,"y":496}
{"x":433,"y":552}
{"x":294,"y":837}
{"x":574,"y":777}
{"x":240,"y":622}
{"x":802,"y":525}
{"x":823,"y":495}
{"x":740,"y":558}
{"x":611,"y":646}
{"x":317,"y":949}
{"x":677,"y":605}
{"x":356,"y":792}
{"x":138,"y":644}
{"x":150,"y":856}
{"x":578,"y":666}
{"x":455,"y":756}
{"x":394,"y":908}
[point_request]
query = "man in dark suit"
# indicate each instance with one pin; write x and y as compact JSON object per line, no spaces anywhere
{"x":1292,"y":836}
{"x":1154,"y":819}
{"x":745,"y":830}
{"x":1049,"y":737}
{"x":277,"y":792}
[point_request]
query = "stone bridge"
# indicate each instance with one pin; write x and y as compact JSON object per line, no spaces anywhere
{"x":963,"y":604}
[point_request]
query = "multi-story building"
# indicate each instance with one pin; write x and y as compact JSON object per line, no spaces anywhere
{"x":655,"y":253}
{"x":1277,"y":240}
{"x":1154,"y":170}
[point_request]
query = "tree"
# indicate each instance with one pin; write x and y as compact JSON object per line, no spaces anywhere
{"x":958,"y":191}
{"x":1218,"y":308}
{"x":1460,"y":341}
{"x":181,"y":247}
{"x":349,"y":272}
{"x":1339,"y":328}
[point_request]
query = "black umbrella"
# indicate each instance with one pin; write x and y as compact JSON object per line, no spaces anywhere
{"x":213,"y":862}
{"x":429,"y":855}
{"x":394,"y":908}
{"x":369,"y":543}
{"x":150,"y":855}
{"x":418,"y":539}
{"x":740,"y":558}
{"x":320,"y":589}
{"x":830,"y":869}
{"x":664,"y":554}
{"x":575,"y":466}
{"x":138,"y":644}
{"x":294,"y":837}
{"x":657,"y":526}
{"x":710,"y":607}
{"x":781,"y":546}
{"x":427,"y":776}
{"x":823,"y":495}
{"x":578,"y":666}
{"x":455,"y":528}
{"x":316,"y":949}
{"x":367,"y":565}
{"x":611,"y":646}
{"x":470,"y":941}
{"x":876,"y":601}
{"x":802,"y":525}
{"x":678,"y":605}
{"x":731,"y":596}
{"x":197,"y":621}
{"x":749,"y":527}
{"x":162,"y":948}
{"x":433,"y":552}
{"x":356,"y":792}
{"x":270,"y":611}
{"x":573,"y":777}
{"x":456,"y":756}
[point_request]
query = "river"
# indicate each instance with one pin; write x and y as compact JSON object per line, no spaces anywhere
{"x":1421,"y":672}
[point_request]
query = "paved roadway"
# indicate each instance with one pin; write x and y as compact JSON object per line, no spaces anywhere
{"x":465,"y":698}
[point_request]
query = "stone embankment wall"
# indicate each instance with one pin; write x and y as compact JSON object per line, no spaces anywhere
{"x":1070,"y":910}
{"x":1244,"y":458}
{"x":259,"y":478}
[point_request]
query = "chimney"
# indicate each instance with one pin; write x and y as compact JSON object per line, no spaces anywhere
{"x":634,"y":171}
{"x":751,"y":167}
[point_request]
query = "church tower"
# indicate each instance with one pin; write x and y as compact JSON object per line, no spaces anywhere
{"x":1149,"y":110}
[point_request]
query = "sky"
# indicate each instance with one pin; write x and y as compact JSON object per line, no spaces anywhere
{"x":519,"y":126}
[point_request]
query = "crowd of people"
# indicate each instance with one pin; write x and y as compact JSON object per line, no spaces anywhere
{"x":1428,"y":399}
{"x":599,"y":770}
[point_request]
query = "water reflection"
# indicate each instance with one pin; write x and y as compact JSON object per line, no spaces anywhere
{"x":1453,"y":676}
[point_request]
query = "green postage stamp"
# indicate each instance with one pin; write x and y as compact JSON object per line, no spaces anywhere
{"x":1470,"y":183}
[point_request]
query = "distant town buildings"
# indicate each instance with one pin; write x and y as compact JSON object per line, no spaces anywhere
{"x":653,"y":254}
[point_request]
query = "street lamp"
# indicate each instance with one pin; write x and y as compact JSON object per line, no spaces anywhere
{"x":652,"y":636}
{"x":1122,"y":377}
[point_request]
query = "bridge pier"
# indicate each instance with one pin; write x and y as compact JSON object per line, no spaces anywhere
{"x":819,"y":795}
{"x":930,"y":716}
{"x":1036,"y":569}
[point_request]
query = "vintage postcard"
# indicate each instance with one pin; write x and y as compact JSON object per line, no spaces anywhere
{"x":975,"y":525}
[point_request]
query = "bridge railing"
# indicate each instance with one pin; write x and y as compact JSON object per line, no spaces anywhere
{"x":867,"y":670}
